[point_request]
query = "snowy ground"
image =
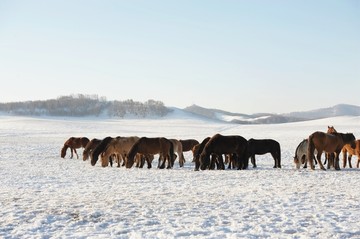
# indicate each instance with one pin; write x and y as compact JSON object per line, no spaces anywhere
{"x":43,"y":195}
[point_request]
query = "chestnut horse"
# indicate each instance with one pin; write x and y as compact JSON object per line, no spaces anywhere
{"x":264,"y":146}
{"x":347,"y":149}
{"x":146,"y":146}
{"x":330,"y":143}
{"x":219,"y":145}
{"x":90,"y":148}
{"x":330,"y":157}
{"x":74,"y":143}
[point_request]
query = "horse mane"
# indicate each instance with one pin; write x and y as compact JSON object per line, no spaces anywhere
{"x":99,"y":149}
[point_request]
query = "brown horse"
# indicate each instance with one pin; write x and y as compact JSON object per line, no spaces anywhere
{"x":120,"y":146}
{"x":330,"y":157}
{"x":145,"y":146}
{"x":219,"y":144}
{"x":179,"y":150}
{"x":88,"y":150}
{"x":263,"y":146}
{"x":188,"y":144}
{"x":99,"y":149}
{"x":110,"y":147}
{"x":196,"y":150}
{"x":330,"y":143}
{"x":74,"y":143}
{"x":347,"y":149}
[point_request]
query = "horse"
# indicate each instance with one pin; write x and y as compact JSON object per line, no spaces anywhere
{"x":196,"y":150}
{"x":179,"y":150}
{"x":300,"y":154}
{"x":88,"y":150}
{"x":74,"y":143}
{"x":118,"y":147}
{"x":330,"y":143}
{"x":99,"y":149}
{"x":188,"y":144}
{"x":219,"y":144}
{"x":263,"y":146}
{"x":330,"y":156}
{"x":347,"y":149}
{"x":145,"y":145}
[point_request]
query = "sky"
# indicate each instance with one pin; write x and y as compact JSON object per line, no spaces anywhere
{"x":238,"y":56}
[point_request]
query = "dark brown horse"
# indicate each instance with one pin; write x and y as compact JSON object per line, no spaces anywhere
{"x":74,"y":143}
{"x":145,"y":145}
{"x":90,"y":148}
{"x":196,"y":150}
{"x":99,"y":149}
{"x":350,"y":151}
{"x":330,"y":143}
{"x":188,"y":144}
{"x":263,"y":146}
{"x":219,"y":145}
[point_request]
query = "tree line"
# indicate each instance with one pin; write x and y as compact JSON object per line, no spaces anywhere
{"x":81,"y":105}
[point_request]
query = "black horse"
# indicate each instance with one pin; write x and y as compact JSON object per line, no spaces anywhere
{"x":263,"y":146}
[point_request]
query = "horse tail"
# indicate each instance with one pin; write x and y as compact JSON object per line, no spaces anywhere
{"x":310,"y":151}
{"x":279,"y":155}
{"x":244,"y":158}
{"x":99,"y":149}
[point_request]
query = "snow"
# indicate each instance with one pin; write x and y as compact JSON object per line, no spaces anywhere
{"x":229,"y":118}
{"x":43,"y":195}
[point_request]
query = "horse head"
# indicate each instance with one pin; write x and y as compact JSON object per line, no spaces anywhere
{"x":63,"y":151}
{"x":331,"y":130}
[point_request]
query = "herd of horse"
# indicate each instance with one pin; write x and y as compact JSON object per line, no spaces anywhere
{"x":214,"y":152}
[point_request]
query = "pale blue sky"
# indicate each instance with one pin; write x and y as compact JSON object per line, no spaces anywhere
{"x":239,"y":56}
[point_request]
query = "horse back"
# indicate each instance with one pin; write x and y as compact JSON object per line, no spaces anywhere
{"x":263,"y":146}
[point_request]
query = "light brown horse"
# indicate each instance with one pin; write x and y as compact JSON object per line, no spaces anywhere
{"x":120,"y":146}
{"x":178,"y":148}
{"x":145,"y":146}
{"x":330,"y":143}
{"x":219,"y":144}
{"x":88,"y":150}
{"x":110,"y":147}
{"x":350,"y":151}
{"x":74,"y":143}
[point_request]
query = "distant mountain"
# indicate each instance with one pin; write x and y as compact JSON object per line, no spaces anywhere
{"x":268,"y":118}
{"x":94,"y":106}
{"x":337,"y":110}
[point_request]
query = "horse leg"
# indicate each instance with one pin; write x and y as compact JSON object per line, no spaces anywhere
{"x":253,"y":162}
{"x":276,"y":163}
{"x":72,"y":154}
{"x":337,"y":159}
{"x":318,"y":157}
{"x":182,"y":159}
{"x":221,"y":164}
{"x":349,"y":159}
{"x":77,"y":156}
{"x":344,"y":158}
{"x":358,"y":161}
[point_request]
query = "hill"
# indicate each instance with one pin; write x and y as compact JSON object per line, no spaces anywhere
{"x":94,"y":106}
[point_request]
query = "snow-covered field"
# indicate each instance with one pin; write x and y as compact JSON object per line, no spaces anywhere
{"x":45,"y":196}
